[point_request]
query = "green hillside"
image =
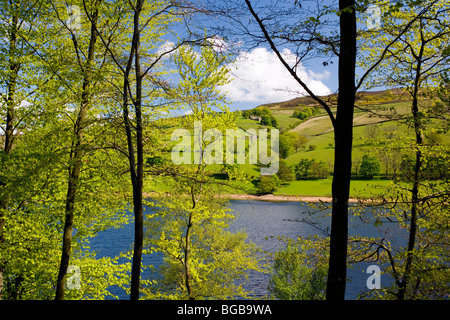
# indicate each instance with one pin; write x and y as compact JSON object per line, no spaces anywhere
{"x":379,"y":116}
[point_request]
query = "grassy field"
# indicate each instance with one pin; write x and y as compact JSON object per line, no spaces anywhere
{"x":322,"y":187}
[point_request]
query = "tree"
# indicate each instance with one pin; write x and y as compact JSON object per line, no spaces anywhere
{"x":416,"y":62}
{"x":76,"y":152}
{"x":285,"y":171}
{"x":37,"y":166}
{"x":299,"y":141}
{"x":310,"y":35}
{"x":311,"y":169}
{"x":370,"y":166}
{"x":305,"y":113}
{"x":268,"y":184}
{"x":269,"y":120}
{"x":305,"y":32}
{"x":15,"y":57}
{"x":145,"y":82}
{"x":318,"y":169}
{"x":201,"y":258}
{"x":371,"y":131}
{"x":287,"y":141}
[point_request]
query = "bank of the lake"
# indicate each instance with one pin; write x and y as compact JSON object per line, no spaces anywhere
{"x":273,"y":198}
{"x":282,"y":198}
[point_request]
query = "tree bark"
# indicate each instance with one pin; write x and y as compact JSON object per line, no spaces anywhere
{"x":76,"y":155}
{"x":14,"y":67}
{"x":343,"y":136}
{"x":417,"y":119}
{"x":139,"y":173}
{"x":187,"y":251}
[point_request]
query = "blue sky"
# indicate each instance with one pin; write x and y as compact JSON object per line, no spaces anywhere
{"x":260,"y":78}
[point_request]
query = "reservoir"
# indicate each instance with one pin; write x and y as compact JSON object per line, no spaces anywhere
{"x":264,"y":221}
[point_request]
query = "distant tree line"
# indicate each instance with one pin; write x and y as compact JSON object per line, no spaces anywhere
{"x":306,"y":113}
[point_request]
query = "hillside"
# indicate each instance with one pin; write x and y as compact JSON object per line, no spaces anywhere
{"x":378,"y":116}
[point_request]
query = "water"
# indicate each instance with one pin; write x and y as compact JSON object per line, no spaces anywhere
{"x":264,"y":222}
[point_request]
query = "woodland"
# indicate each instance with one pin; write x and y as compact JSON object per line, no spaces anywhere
{"x":91,"y":91}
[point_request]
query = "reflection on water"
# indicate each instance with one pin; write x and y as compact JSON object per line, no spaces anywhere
{"x":263,"y":222}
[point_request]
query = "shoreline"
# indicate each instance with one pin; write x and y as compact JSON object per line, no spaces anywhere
{"x":270,"y":197}
{"x":280,"y":198}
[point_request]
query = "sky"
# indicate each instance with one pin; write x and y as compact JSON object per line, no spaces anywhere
{"x":258,"y":77}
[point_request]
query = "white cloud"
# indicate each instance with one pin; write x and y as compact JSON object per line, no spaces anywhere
{"x":258,"y":76}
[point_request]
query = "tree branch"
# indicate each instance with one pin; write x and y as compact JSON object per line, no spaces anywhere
{"x":286,"y":65}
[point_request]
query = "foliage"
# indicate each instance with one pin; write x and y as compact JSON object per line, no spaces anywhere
{"x":370,"y":166}
{"x":259,"y":112}
{"x":435,"y":168}
{"x":417,"y":204}
{"x":312,"y":147}
{"x":429,"y":273}
{"x":299,"y":271}
{"x":269,"y":120}
{"x":217,"y":259}
{"x":288,"y":141}
{"x":305,"y":113}
{"x":268,"y":184}
{"x":285,"y":171}
{"x":311,"y":169}
{"x":202,"y":259}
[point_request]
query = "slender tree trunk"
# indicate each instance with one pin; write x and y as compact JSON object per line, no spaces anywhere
{"x":76,"y":155}
{"x":139,"y":173}
{"x":417,"y":118}
{"x":187,"y":247}
{"x":187,"y":251}
{"x":14,"y":67}
{"x":343,"y":133}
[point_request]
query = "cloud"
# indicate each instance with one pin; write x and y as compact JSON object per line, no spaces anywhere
{"x":258,"y":76}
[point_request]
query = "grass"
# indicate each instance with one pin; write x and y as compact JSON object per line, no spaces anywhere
{"x":322,"y":187}
{"x":285,"y":120}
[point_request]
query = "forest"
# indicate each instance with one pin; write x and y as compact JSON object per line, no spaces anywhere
{"x":99,"y":97}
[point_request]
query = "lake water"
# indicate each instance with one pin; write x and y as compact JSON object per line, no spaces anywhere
{"x":264,"y":222}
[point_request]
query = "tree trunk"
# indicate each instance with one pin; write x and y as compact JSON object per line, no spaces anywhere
{"x":9,"y":133}
{"x":139,"y":172}
{"x":187,"y":250}
{"x":343,"y":135}
{"x":417,"y":118}
{"x":76,"y":155}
